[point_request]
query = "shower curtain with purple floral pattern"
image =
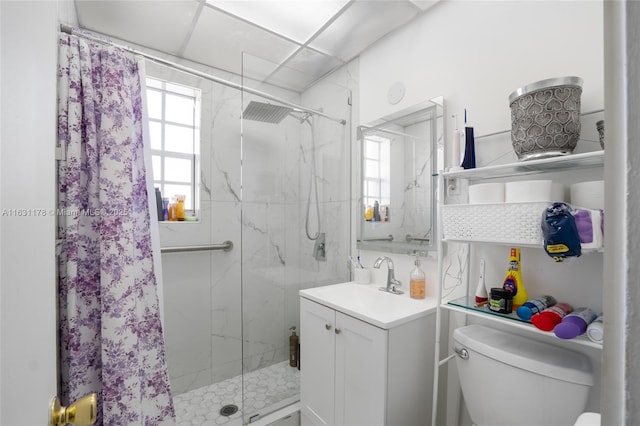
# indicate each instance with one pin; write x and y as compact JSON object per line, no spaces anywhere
{"x":111,"y":338}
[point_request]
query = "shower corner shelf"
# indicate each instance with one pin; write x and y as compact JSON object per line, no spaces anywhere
{"x":467,"y":306}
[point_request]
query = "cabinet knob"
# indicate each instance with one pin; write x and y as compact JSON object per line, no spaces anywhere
{"x":327,"y":326}
{"x":337,"y":330}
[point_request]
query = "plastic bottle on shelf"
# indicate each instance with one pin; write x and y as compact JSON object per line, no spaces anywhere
{"x":513,"y":279}
{"x":180,"y":215}
{"x":172,"y":209}
{"x":575,"y":323}
{"x":535,"y":306}
{"x":481,"y":296}
{"x":552,"y":316}
{"x":595,"y":330}
{"x":417,"y":282}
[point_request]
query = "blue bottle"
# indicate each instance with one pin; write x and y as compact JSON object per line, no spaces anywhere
{"x":535,"y":306}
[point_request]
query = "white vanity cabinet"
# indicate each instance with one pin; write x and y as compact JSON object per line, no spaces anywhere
{"x":356,"y":373}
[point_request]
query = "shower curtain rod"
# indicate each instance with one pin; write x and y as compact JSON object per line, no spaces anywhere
{"x":65,"y":28}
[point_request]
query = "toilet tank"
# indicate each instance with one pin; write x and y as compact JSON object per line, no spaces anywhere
{"x":509,"y":380}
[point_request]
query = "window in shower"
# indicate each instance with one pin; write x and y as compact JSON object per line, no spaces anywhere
{"x":174,"y":127}
{"x":376,"y":176}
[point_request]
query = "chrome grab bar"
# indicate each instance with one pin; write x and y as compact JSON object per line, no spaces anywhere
{"x":410,"y":237}
{"x":388,"y":238}
{"x":225,"y":246}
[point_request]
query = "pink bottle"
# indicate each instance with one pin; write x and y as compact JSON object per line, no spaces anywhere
{"x":552,"y":316}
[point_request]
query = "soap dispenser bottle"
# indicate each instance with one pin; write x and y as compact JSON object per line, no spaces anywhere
{"x":293,"y":348}
{"x":417,"y":281}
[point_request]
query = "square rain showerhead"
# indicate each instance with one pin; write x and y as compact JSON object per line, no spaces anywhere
{"x":267,"y":113}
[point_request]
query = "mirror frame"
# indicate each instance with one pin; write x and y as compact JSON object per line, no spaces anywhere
{"x":437,"y":140}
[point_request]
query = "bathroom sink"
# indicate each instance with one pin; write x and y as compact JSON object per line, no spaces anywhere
{"x":367,"y":303}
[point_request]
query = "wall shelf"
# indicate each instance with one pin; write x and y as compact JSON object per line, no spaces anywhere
{"x":563,"y":163}
{"x":466,"y":305}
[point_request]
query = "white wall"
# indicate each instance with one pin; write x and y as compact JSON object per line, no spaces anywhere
{"x":28,"y":274}
{"x":475,"y":53}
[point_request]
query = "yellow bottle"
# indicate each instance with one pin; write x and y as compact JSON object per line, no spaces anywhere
{"x":180,"y":207}
{"x":513,"y":280}
{"x":368,"y":213}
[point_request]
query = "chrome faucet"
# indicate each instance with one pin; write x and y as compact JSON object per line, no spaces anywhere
{"x":392,"y":283}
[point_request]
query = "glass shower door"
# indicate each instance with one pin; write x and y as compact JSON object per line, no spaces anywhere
{"x":295,"y":227}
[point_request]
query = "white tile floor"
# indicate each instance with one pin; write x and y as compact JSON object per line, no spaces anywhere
{"x":262,"y":388}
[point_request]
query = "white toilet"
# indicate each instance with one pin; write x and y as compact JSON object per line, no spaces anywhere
{"x":508,"y":380}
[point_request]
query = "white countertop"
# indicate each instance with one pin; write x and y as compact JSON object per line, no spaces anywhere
{"x":367,"y":303}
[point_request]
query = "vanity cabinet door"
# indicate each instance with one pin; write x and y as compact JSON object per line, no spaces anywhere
{"x":361,"y":372}
{"x":317,"y":362}
{"x":343,"y":368}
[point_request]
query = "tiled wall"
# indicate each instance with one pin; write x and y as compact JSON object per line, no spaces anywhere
{"x":254,"y":189}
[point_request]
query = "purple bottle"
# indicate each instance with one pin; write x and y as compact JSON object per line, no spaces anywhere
{"x":575,"y":323}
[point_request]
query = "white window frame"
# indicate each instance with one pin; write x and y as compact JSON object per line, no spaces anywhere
{"x":368,"y":198}
{"x":192,"y":93}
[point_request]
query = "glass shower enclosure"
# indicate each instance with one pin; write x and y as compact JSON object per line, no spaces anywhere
{"x":277,"y":186}
{"x":295,"y":226}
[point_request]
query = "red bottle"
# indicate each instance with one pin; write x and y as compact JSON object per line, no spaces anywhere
{"x":550,"y":317}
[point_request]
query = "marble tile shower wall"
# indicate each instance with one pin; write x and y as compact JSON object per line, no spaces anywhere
{"x":214,"y":300}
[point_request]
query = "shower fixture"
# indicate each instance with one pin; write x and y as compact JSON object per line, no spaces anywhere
{"x":270,"y":113}
{"x":267,"y":113}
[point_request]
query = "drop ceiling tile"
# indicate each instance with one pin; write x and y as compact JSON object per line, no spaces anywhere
{"x":295,"y":19}
{"x":311,"y":62}
{"x":361,"y":25}
{"x":290,"y":78}
{"x":160,"y":25}
{"x":219,"y":40}
{"x":256,"y":68}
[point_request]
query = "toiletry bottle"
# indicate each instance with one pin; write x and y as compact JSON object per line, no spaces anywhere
{"x":165,"y":208}
{"x":575,"y":323}
{"x":159,"y":204}
{"x":172,"y":209}
{"x":595,"y":331}
{"x":481,"y":290}
{"x":368,"y":214}
{"x":417,"y":282}
{"x":180,"y":207}
{"x":501,"y":301}
{"x":535,"y":306}
{"x":293,"y":348}
{"x":469,"y":160}
{"x":513,"y":279}
{"x":552,"y":316}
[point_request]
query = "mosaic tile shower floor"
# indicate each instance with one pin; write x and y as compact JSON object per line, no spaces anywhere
{"x":263,"y":388}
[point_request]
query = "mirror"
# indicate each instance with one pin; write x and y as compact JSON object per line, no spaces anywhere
{"x":399,"y":162}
